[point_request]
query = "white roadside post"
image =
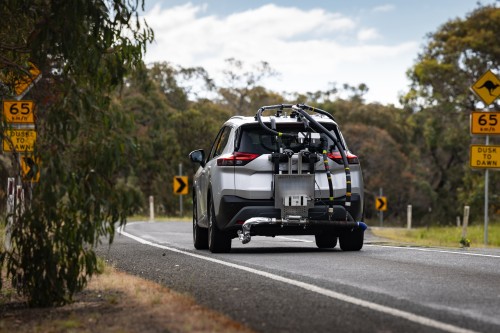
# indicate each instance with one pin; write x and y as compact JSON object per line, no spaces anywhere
{"x":466,"y":221}
{"x":151,"y":208}
{"x":409,"y":217}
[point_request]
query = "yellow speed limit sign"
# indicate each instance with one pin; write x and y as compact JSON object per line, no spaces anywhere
{"x":487,"y":123}
{"x":20,"y":112}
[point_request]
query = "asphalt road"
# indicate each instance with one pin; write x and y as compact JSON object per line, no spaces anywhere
{"x":286,"y":284}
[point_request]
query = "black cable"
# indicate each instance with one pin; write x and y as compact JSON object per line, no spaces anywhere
{"x":300,"y":110}
{"x":320,"y":111}
{"x":321,"y":128}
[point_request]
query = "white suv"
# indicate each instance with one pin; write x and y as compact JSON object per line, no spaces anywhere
{"x":290,"y":173}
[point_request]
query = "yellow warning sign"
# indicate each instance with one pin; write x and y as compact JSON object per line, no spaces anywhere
{"x":485,"y":157}
{"x":30,"y":168}
{"x":381,"y":204}
{"x":487,"y":87}
{"x":23,"y":83}
{"x":180,"y":185}
{"x":19,"y":140}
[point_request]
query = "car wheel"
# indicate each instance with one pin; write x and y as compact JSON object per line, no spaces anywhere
{"x":352,"y":240}
{"x":200,"y":235}
{"x":326,"y":241}
{"x":218,"y":241}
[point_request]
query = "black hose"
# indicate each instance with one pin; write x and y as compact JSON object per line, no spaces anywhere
{"x":300,"y":109}
{"x":330,"y":185}
{"x":259,"y":119}
{"x":321,"y":128}
{"x":323,"y":112}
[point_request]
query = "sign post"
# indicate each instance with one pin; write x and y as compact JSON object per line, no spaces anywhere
{"x":180,"y":196}
{"x":487,"y":88}
{"x":11,"y":208}
{"x":486,"y":198}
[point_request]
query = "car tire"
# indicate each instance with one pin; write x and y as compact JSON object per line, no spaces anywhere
{"x":352,"y":240}
{"x":218,"y":241}
{"x":200,"y":235}
{"x":326,"y":241}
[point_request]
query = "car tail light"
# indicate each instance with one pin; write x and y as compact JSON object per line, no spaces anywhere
{"x":337,"y":158}
{"x":236,"y":159}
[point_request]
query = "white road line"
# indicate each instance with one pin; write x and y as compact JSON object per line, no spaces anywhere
{"x":322,"y":291}
{"x":404,"y":248}
{"x":295,"y":239}
{"x":435,"y":250}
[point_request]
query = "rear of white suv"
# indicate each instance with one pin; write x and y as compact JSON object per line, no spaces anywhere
{"x":278,"y":175}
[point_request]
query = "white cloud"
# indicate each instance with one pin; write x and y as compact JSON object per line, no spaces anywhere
{"x":309,"y":48}
{"x":368,"y":34}
{"x":285,"y":22}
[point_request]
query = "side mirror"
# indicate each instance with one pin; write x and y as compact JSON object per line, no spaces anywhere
{"x":197,"y":156}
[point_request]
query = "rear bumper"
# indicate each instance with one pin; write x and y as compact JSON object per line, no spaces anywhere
{"x":234,"y":210}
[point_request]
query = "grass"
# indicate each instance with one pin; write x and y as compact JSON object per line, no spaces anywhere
{"x":160,"y":218}
{"x":442,"y":236}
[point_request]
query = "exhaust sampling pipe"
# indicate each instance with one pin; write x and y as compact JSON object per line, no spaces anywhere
{"x":245,"y":237}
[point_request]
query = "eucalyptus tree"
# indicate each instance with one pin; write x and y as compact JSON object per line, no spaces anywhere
{"x":240,"y":90}
{"x":83,"y":50}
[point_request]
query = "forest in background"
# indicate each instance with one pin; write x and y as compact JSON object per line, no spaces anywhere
{"x":418,"y":153}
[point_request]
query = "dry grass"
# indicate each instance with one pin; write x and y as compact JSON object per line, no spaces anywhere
{"x":115,"y":302}
{"x":441,"y":236}
{"x":160,"y":218}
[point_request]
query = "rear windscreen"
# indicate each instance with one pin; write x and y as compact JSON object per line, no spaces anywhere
{"x":255,"y":139}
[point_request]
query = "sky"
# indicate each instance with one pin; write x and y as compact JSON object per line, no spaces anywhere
{"x":313,"y":44}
